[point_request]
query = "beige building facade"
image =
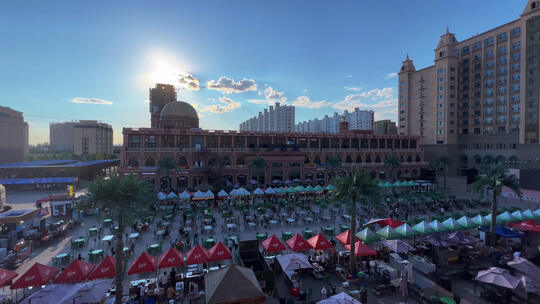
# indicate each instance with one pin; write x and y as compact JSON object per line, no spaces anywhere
{"x":481,"y":96}
{"x":384,"y":126}
{"x":81,"y":137}
{"x":13,"y":135}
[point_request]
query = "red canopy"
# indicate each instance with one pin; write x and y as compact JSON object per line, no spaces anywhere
{"x":345,"y":237}
{"x":77,"y":271}
{"x":105,"y":270}
{"x":529,"y":225}
{"x":219,"y":252}
{"x":6,"y":276}
{"x":272,"y":244}
{"x":37,"y":275}
{"x":171,"y":258}
{"x":386,"y":222}
{"x":361,"y":249}
{"x":319,"y":242}
{"x":297,"y":243}
{"x":197,"y":255}
{"x":143,"y":264}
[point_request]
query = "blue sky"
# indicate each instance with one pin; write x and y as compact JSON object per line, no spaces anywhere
{"x":65,"y":60}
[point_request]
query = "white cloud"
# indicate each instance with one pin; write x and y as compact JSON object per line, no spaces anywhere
{"x":228,"y":85}
{"x":228,"y":105}
{"x":349,"y":76}
{"x":189,"y":82}
{"x":271,"y":96}
{"x":304,"y":101}
{"x":390,"y":75}
{"x":91,"y":100}
{"x":382,"y":101}
{"x":355,"y":89}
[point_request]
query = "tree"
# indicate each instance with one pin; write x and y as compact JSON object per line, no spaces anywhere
{"x":495,"y":178}
{"x":167,"y":163}
{"x":393,"y":162}
{"x":443,"y":163}
{"x":125,"y":199}
{"x":332,"y":162}
{"x":258,"y":165}
{"x":351,"y":190}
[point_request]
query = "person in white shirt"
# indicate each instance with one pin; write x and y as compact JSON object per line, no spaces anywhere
{"x":164,"y":279}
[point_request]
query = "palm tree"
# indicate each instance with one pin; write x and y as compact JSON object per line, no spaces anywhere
{"x":393,"y":162}
{"x":495,"y":178}
{"x":124,"y":199}
{"x":258,"y":165}
{"x":332,"y":162}
{"x":353,"y":189}
{"x":443,"y":163}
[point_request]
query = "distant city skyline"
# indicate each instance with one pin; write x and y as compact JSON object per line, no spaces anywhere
{"x":64,"y":60}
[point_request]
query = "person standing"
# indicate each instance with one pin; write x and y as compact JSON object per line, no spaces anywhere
{"x":173,"y":277}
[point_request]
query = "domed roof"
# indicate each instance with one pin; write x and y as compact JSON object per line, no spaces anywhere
{"x":179,"y":110}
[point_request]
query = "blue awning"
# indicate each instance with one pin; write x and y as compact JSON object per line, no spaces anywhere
{"x":507,"y":233}
{"x":41,"y":180}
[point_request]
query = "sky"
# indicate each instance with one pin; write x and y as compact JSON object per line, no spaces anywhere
{"x":71,"y":60}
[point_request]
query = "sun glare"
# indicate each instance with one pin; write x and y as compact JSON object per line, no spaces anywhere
{"x":165,"y":73}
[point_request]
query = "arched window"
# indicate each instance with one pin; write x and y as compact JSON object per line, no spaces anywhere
{"x":368,"y":159}
{"x":197,"y":163}
{"x":409,"y":159}
{"x":226,"y":161}
{"x":348,"y":160}
{"x":317,"y":160}
{"x":133,"y":162}
{"x":150,"y":162}
{"x":240,"y":161}
{"x":377,"y":159}
{"x":212,"y":162}
{"x":182,"y":162}
{"x":306,"y":160}
{"x":417,"y":158}
{"x":359,"y":159}
{"x":477,"y":159}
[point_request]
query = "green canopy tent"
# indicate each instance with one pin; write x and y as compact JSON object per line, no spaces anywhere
{"x":479,"y":220}
{"x":397,"y":184}
{"x":300,"y":189}
{"x":281,"y":190}
{"x":381,"y":184}
{"x":388,"y":233}
{"x":172,"y":195}
{"x":309,"y":188}
{"x":388,"y":184}
{"x":451,"y":224}
{"x":318,"y":188}
{"x":527,"y":214}
{"x":405,"y":230}
{"x":422,"y":228}
{"x":436,"y":226}
{"x":368,"y":236}
{"x":505,"y":217}
{"x":518,"y":215}
{"x":536,"y":214}
{"x":291,"y":190}
{"x":466,"y":222}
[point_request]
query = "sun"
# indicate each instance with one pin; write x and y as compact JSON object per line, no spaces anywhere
{"x":165,"y":73}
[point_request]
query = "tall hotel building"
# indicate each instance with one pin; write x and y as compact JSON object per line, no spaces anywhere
{"x":480,"y":97}
{"x":277,"y":118}
{"x":358,"y":120}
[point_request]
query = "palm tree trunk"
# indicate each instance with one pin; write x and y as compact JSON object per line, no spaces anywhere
{"x":493,"y":219}
{"x":118,"y":280}
{"x":445,"y":189}
{"x":352,"y":256}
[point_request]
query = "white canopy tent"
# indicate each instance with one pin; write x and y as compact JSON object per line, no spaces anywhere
{"x":270,"y":190}
{"x":222,"y":193}
{"x":185,"y":195}
{"x":340,"y":298}
{"x":258,"y":191}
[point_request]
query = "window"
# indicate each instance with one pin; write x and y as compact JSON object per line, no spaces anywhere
{"x":489,"y":101}
{"x":489,"y":120}
{"x":477,"y":66}
{"x":489,"y":92}
{"x":441,"y":97}
{"x":402,"y":82}
{"x":515,"y":87}
{"x":440,"y":106}
{"x":515,"y":118}
{"x":516,"y":31}
{"x":501,"y":80}
{"x":489,"y":83}
{"x":489,"y":64}
{"x":440,"y":71}
{"x":402,"y":104}
{"x":441,"y":114}
{"x":490,"y":73}
{"x":501,"y":119}
{"x":501,"y":70}
{"x":477,"y":45}
{"x":501,"y":37}
{"x":515,"y":77}
{"x":277,"y":165}
{"x":489,"y":111}
{"x":441,"y":79}
{"x":440,"y":123}
{"x":489,"y":54}
{"x":515,"y":67}
{"x":489,"y":130}
{"x":515,"y":98}
{"x":502,"y":109}
{"x":465,"y":50}
{"x":501,"y":99}
{"x":516,"y":57}
{"x":516,"y":45}
{"x":502,"y":50}
{"x":441,"y":88}
{"x":515,"y":108}
{"x":440,"y":131}
{"x":501,"y":90}
{"x":489,"y":41}
{"x":502,"y":60}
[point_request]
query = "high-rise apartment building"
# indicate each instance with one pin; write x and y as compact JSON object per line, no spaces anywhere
{"x":160,"y":95}
{"x":81,"y":137}
{"x":276,"y":118}
{"x":385,"y":126}
{"x":13,"y":135}
{"x":481,"y":95}
{"x":358,"y":120}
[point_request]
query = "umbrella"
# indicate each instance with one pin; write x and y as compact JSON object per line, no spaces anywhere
{"x":345,"y":237}
{"x":529,"y":225}
{"x":171,"y":258}
{"x":505,"y":217}
{"x":272,"y":244}
{"x":319,"y":242}
{"x":527,"y":214}
{"x":270,"y":190}
{"x":466,"y":222}
{"x":106,"y":269}
{"x":143,"y":264}
{"x":6,"y":276}
{"x":385,"y":222}
{"x":479,"y":220}
{"x":528,"y":284}
{"x":318,"y":188}
{"x":234,"y":192}
{"x":297,"y":243}
{"x":398,"y":246}
{"x":422,"y":228}
{"x":368,"y":236}
{"x":222,"y":193}
{"x":294,"y":261}
{"x":388,"y":233}
{"x":185,"y":195}
{"x":436,"y":226}
{"x":172,"y":195}
{"x":300,"y":188}
{"x":88,"y":292}
{"x":219,"y":252}
{"x":526,"y":267}
{"x":77,"y":271}
{"x":340,"y":298}
{"x":309,"y":188}
{"x":498,"y":276}
{"x":451,"y":224}
{"x":37,"y":275}
{"x":280,"y":190}
{"x":361,"y":249}
{"x":507,"y":233}
{"x":258,"y":191}
{"x":161,"y":196}
{"x":405,"y":230}
{"x":291,"y":190}
{"x":196,"y":255}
